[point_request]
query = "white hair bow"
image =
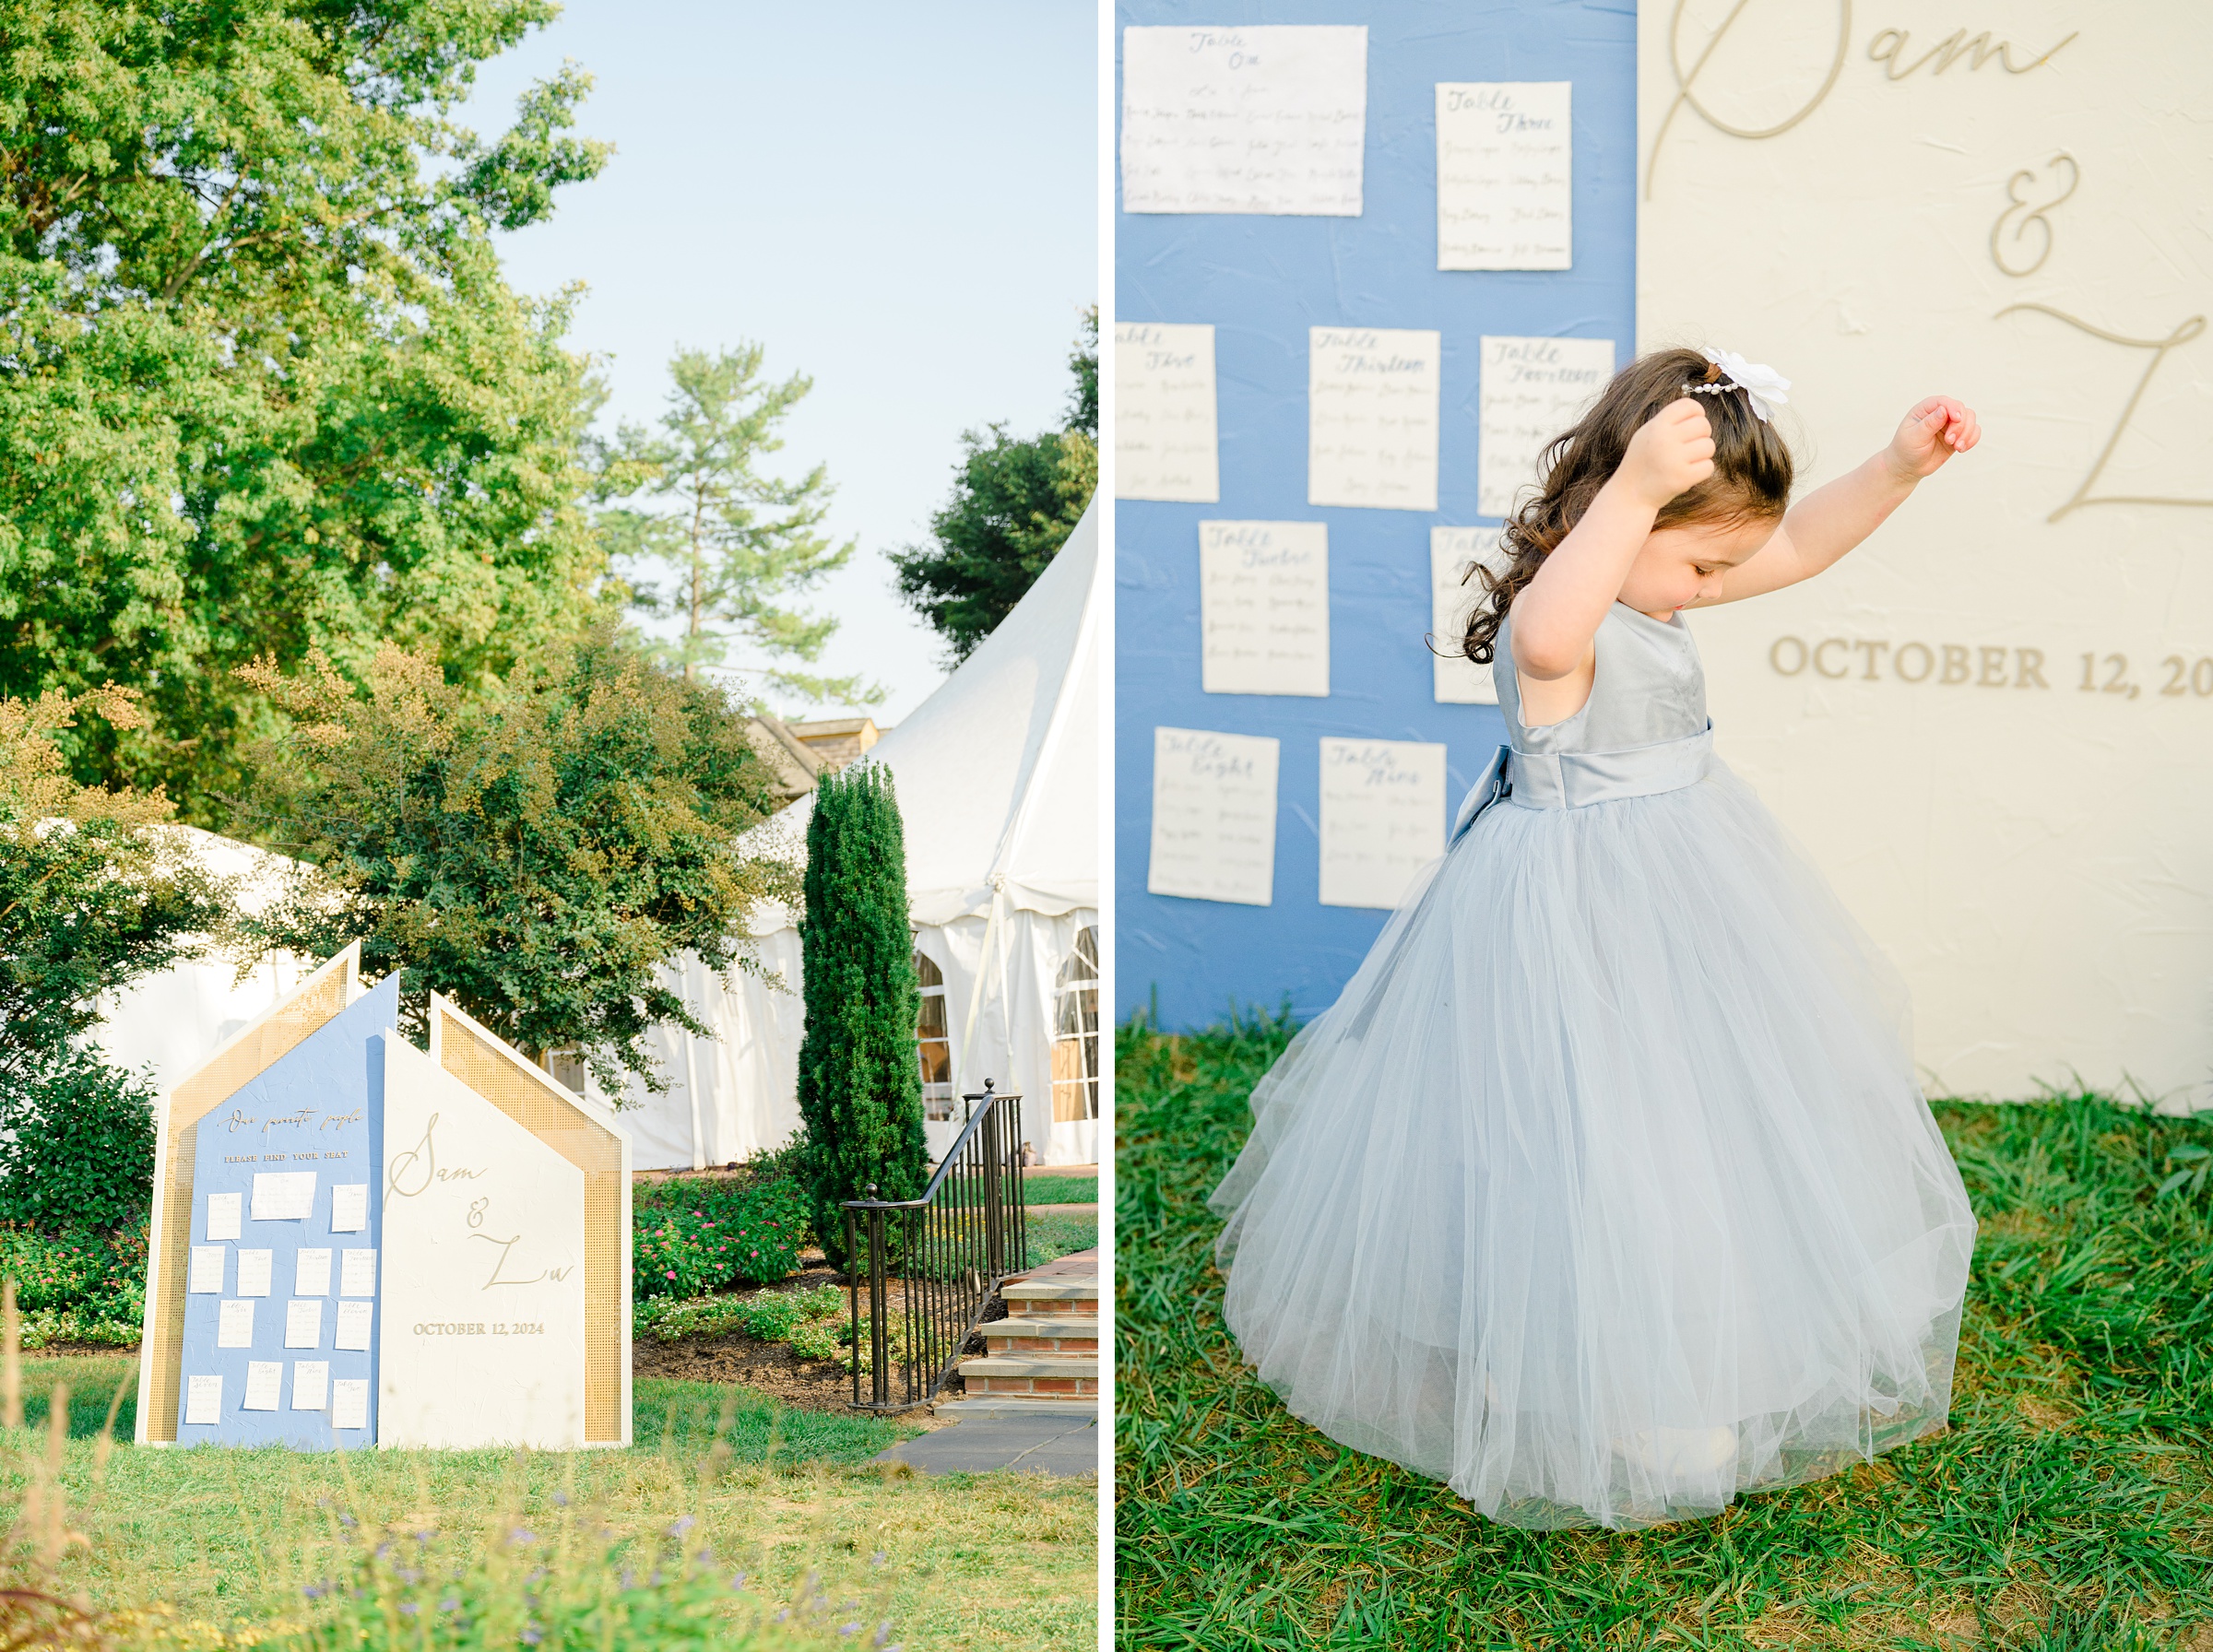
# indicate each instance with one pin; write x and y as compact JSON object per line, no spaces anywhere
{"x":1760,"y":382}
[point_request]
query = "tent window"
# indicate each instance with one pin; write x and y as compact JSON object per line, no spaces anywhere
{"x":934,"y":1041}
{"x":1076,"y":1031}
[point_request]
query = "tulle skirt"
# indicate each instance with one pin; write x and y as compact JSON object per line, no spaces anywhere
{"x":1605,"y":1191}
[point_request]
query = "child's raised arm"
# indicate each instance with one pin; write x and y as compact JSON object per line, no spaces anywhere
{"x":1558,"y":616}
{"x":1835,"y":516}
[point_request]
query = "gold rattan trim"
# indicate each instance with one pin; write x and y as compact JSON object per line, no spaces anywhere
{"x":311,"y":1006}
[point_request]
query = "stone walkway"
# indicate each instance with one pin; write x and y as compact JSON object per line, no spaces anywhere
{"x":1065,"y":1446}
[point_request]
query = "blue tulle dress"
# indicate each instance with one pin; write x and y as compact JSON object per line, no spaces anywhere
{"x":1606,"y":1190}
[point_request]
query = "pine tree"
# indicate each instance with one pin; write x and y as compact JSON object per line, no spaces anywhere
{"x":860,"y":1089}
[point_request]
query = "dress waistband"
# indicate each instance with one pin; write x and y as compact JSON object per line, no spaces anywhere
{"x":1577,"y":779}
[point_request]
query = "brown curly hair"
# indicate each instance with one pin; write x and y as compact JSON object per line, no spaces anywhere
{"x":1751,"y":478}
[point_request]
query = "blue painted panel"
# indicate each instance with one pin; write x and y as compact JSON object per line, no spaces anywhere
{"x":319,"y":1107}
{"x":1262,"y":282}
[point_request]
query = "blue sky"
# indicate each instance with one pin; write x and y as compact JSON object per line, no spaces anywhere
{"x":899,"y":200}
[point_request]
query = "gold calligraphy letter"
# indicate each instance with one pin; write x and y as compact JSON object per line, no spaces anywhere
{"x":2158,"y":347}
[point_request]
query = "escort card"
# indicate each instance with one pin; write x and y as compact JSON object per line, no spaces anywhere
{"x":303,"y":1322}
{"x":265,"y":1384}
{"x":311,"y":1385}
{"x":311,"y":1272}
{"x":348,"y":1206}
{"x":356,"y":1273}
{"x":1454,"y":594}
{"x":1164,"y":412}
{"x":225,"y":1211}
{"x":349,"y":1403}
{"x":1382,"y":818}
{"x":1533,"y":391}
{"x":206,"y":1275}
{"x":355,"y":1321}
{"x":284,"y":1195}
{"x":1213,"y":815}
{"x":234,"y":1322}
{"x":1371,"y":416}
{"x":253,"y":1269}
{"x":1268,"y":118}
{"x":1264,"y":607}
{"x":1504,"y":175}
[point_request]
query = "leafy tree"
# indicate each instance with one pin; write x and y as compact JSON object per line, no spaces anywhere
{"x":534,"y":849}
{"x":860,"y":1089}
{"x":263,"y":389}
{"x":1014,"y":501}
{"x":734,"y":540}
{"x":94,"y":893}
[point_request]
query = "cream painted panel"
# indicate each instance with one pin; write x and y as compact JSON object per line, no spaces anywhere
{"x":484,"y":1278}
{"x":1992,"y":724}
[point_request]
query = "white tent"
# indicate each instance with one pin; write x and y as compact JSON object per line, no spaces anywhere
{"x":997,"y":776}
{"x":168,"y":1024}
{"x":998,"y":780}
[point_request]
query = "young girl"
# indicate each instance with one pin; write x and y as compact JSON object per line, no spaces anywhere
{"x":1605,"y":1191}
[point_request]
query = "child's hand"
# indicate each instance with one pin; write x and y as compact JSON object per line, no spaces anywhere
{"x":1672,"y":452}
{"x":1932,"y":432}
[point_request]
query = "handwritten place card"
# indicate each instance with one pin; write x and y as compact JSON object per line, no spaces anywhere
{"x":1382,"y":818}
{"x":356,"y":1319}
{"x":234,"y":1322}
{"x":1532,"y":390}
{"x":311,"y":1272}
{"x":253,"y":1269}
{"x":1504,"y":175}
{"x":225,"y":1211}
{"x":349,"y":1403}
{"x":203,"y":1399}
{"x":265,"y":1381}
{"x":1453,"y":595}
{"x":284,"y":1195}
{"x":311,"y":1385}
{"x":1164,"y":412}
{"x":348,"y":1206}
{"x":206,"y":1277}
{"x":1272,"y":118}
{"x":303,"y":1322}
{"x":1213,"y":815}
{"x":1265,"y":606}
{"x":356,"y":1273}
{"x":1371,"y":416}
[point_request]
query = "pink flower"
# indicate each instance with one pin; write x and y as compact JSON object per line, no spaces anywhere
{"x":673,"y":1273}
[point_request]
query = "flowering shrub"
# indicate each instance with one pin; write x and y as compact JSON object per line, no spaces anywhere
{"x":77,"y":1287}
{"x":713,"y":1236}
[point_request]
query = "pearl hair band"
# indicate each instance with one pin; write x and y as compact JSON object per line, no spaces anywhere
{"x":1762,"y":385}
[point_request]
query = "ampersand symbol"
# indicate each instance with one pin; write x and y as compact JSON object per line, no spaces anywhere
{"x":2000,"y":241}
{"x":475,"y":1213}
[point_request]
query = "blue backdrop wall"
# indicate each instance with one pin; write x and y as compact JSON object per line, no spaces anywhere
{"x":1261,"y":282}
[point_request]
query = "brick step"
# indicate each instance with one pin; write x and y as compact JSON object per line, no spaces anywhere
{"x":1040,"y":1333}
{"x":995,"y":1376}
{"x":1052,"y":1298}
{"x":1021,"y":1405}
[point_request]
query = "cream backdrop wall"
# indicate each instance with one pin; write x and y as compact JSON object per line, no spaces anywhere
{"x":1992,"y":724}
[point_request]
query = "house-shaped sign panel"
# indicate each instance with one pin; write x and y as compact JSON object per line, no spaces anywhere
{"x":506,"y":1202}
{"x":262,"y":1271}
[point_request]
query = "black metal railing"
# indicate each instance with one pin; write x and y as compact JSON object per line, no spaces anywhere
{"x":949,"y":1250}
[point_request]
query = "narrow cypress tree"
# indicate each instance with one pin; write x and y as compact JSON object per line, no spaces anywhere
{"x":861,"y":1086}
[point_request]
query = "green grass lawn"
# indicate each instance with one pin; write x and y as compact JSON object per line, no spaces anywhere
{"x":230,"y":1539}
{"x":2070,"y":1507}
{"x":1043,"y":1188}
